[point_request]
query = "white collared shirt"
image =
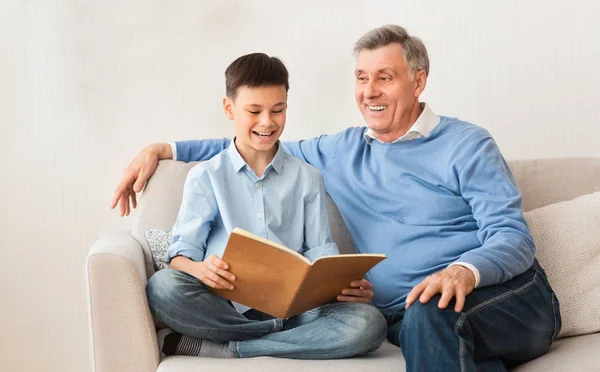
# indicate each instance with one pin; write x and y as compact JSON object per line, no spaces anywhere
{"x":421,"y":128}
{"x":424,"y":125}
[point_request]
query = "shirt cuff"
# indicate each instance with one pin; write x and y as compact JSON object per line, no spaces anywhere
{"x":181,"y":248}
{"x":328,"y":249}
{"x":470,"y":267}
{"x":174,"y":150}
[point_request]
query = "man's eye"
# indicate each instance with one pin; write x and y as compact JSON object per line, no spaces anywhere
{"x":361,"y":78}
{"x":384,"y":78}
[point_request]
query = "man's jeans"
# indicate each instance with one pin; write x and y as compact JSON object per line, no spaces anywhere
{"x":501,"y":326}
{"x":337,"y":330}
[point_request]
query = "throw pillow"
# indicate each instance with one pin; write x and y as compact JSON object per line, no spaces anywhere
{"x":567,"y":236}
{"x":158,"y":242}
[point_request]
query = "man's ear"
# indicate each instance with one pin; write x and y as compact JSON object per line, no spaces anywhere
{"x":228,"y":107}
{"x":420,"y":82}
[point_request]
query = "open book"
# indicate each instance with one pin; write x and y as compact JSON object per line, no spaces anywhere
{"x":281,"y":282}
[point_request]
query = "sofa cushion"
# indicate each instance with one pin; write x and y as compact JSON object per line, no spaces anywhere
{"x":567,"y":236}
{"x":542,"y":181}
{"x":568,"y":354}
{"x":387,"y":358}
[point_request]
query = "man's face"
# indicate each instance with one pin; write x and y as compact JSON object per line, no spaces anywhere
{"x":259,"y":115}
{"x":384,"y":92}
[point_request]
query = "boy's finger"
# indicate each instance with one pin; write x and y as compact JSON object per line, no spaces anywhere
{"x":210,"y":283}
{"x":218,"y":262}
{"x":223,"y":273}
{"x":353,"y":299}
{"x":219,"y":280}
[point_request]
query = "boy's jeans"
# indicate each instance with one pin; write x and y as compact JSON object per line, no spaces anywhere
{"x":501,"y":325}
{"x":337,"y":330}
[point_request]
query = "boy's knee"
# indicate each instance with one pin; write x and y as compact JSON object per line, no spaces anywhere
{"x":370,"y":327}
{"x":160,"y":286}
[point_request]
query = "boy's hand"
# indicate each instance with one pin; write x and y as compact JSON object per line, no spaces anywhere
{"x":359,"y":291}
{"x":213,"y":273}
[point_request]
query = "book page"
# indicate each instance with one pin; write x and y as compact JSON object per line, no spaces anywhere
{"x":328,"y":276}
{"x":248,"y":234}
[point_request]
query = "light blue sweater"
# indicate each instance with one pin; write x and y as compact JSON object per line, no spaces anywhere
{"x":425,"y":203}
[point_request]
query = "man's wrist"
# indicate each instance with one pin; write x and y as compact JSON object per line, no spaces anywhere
{"x":161,"y":150}
{"x":472,"y":268}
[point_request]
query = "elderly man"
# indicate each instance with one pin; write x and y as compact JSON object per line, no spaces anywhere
{"x":461,"y":289}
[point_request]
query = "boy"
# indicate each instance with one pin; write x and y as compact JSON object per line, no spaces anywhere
{"x":254,"y":185}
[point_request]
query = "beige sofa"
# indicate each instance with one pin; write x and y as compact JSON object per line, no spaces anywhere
{"x":123,"y":334}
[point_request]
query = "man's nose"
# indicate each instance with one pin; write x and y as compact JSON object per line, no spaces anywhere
{"x":371,"y":90}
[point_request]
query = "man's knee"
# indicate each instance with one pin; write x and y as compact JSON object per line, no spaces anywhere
{"x":420,"y":316}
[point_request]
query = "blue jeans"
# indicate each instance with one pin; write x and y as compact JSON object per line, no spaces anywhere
{"x":337,"y":330}
{"x":501,"y":326}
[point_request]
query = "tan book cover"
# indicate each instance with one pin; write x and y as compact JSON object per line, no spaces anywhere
{"x":281,"y":282}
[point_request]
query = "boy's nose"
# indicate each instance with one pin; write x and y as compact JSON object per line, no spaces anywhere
{"x":267,"y":119}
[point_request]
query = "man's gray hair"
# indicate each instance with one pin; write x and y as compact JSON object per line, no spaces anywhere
{"x":413,"y":49}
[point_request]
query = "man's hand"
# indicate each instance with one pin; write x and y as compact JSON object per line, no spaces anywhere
{"x":454,"y":281}
{"x":212,"y":271}
{"x":137,"y":174}
{"x":359,"y":291}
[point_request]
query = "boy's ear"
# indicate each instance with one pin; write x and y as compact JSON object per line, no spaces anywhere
{"x":228,"y":107}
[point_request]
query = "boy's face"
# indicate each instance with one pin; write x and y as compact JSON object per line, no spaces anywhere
{"x":259,"y":115}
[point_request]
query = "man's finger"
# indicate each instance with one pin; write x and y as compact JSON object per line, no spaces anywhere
{"x":460,"y":300}
{"x":119,"y":192}
{"x":123,"y":202}
{"x":415,"y":293}
{"x":142,"y":178}
{"x":431,"y":290}
{"x":133,"y":199}
{"x":115,"y":199}
{"x":447,"y":294}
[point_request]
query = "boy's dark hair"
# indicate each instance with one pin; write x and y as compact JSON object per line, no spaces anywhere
{"x":253,"y":71}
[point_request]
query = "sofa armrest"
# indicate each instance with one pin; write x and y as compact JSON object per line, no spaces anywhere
{"x":122,"y":332}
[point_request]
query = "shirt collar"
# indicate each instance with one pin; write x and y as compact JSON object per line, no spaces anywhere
{"x":425,"y":123}
{"x":238,"y":162}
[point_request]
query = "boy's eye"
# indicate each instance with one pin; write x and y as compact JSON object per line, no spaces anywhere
{"x":277,"y":111}
{"x":254,"y":112}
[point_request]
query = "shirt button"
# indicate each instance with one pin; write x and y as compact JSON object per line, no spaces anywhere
{"x":260,"y":215}
{"x":257,"y":185}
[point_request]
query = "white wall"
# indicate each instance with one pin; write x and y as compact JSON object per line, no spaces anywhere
{"x":85,"y":84}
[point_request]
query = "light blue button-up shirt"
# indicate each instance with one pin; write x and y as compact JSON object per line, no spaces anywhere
{"x":286,"y":205}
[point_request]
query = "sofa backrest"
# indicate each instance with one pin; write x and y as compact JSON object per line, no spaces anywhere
{"x":542,"y":182}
